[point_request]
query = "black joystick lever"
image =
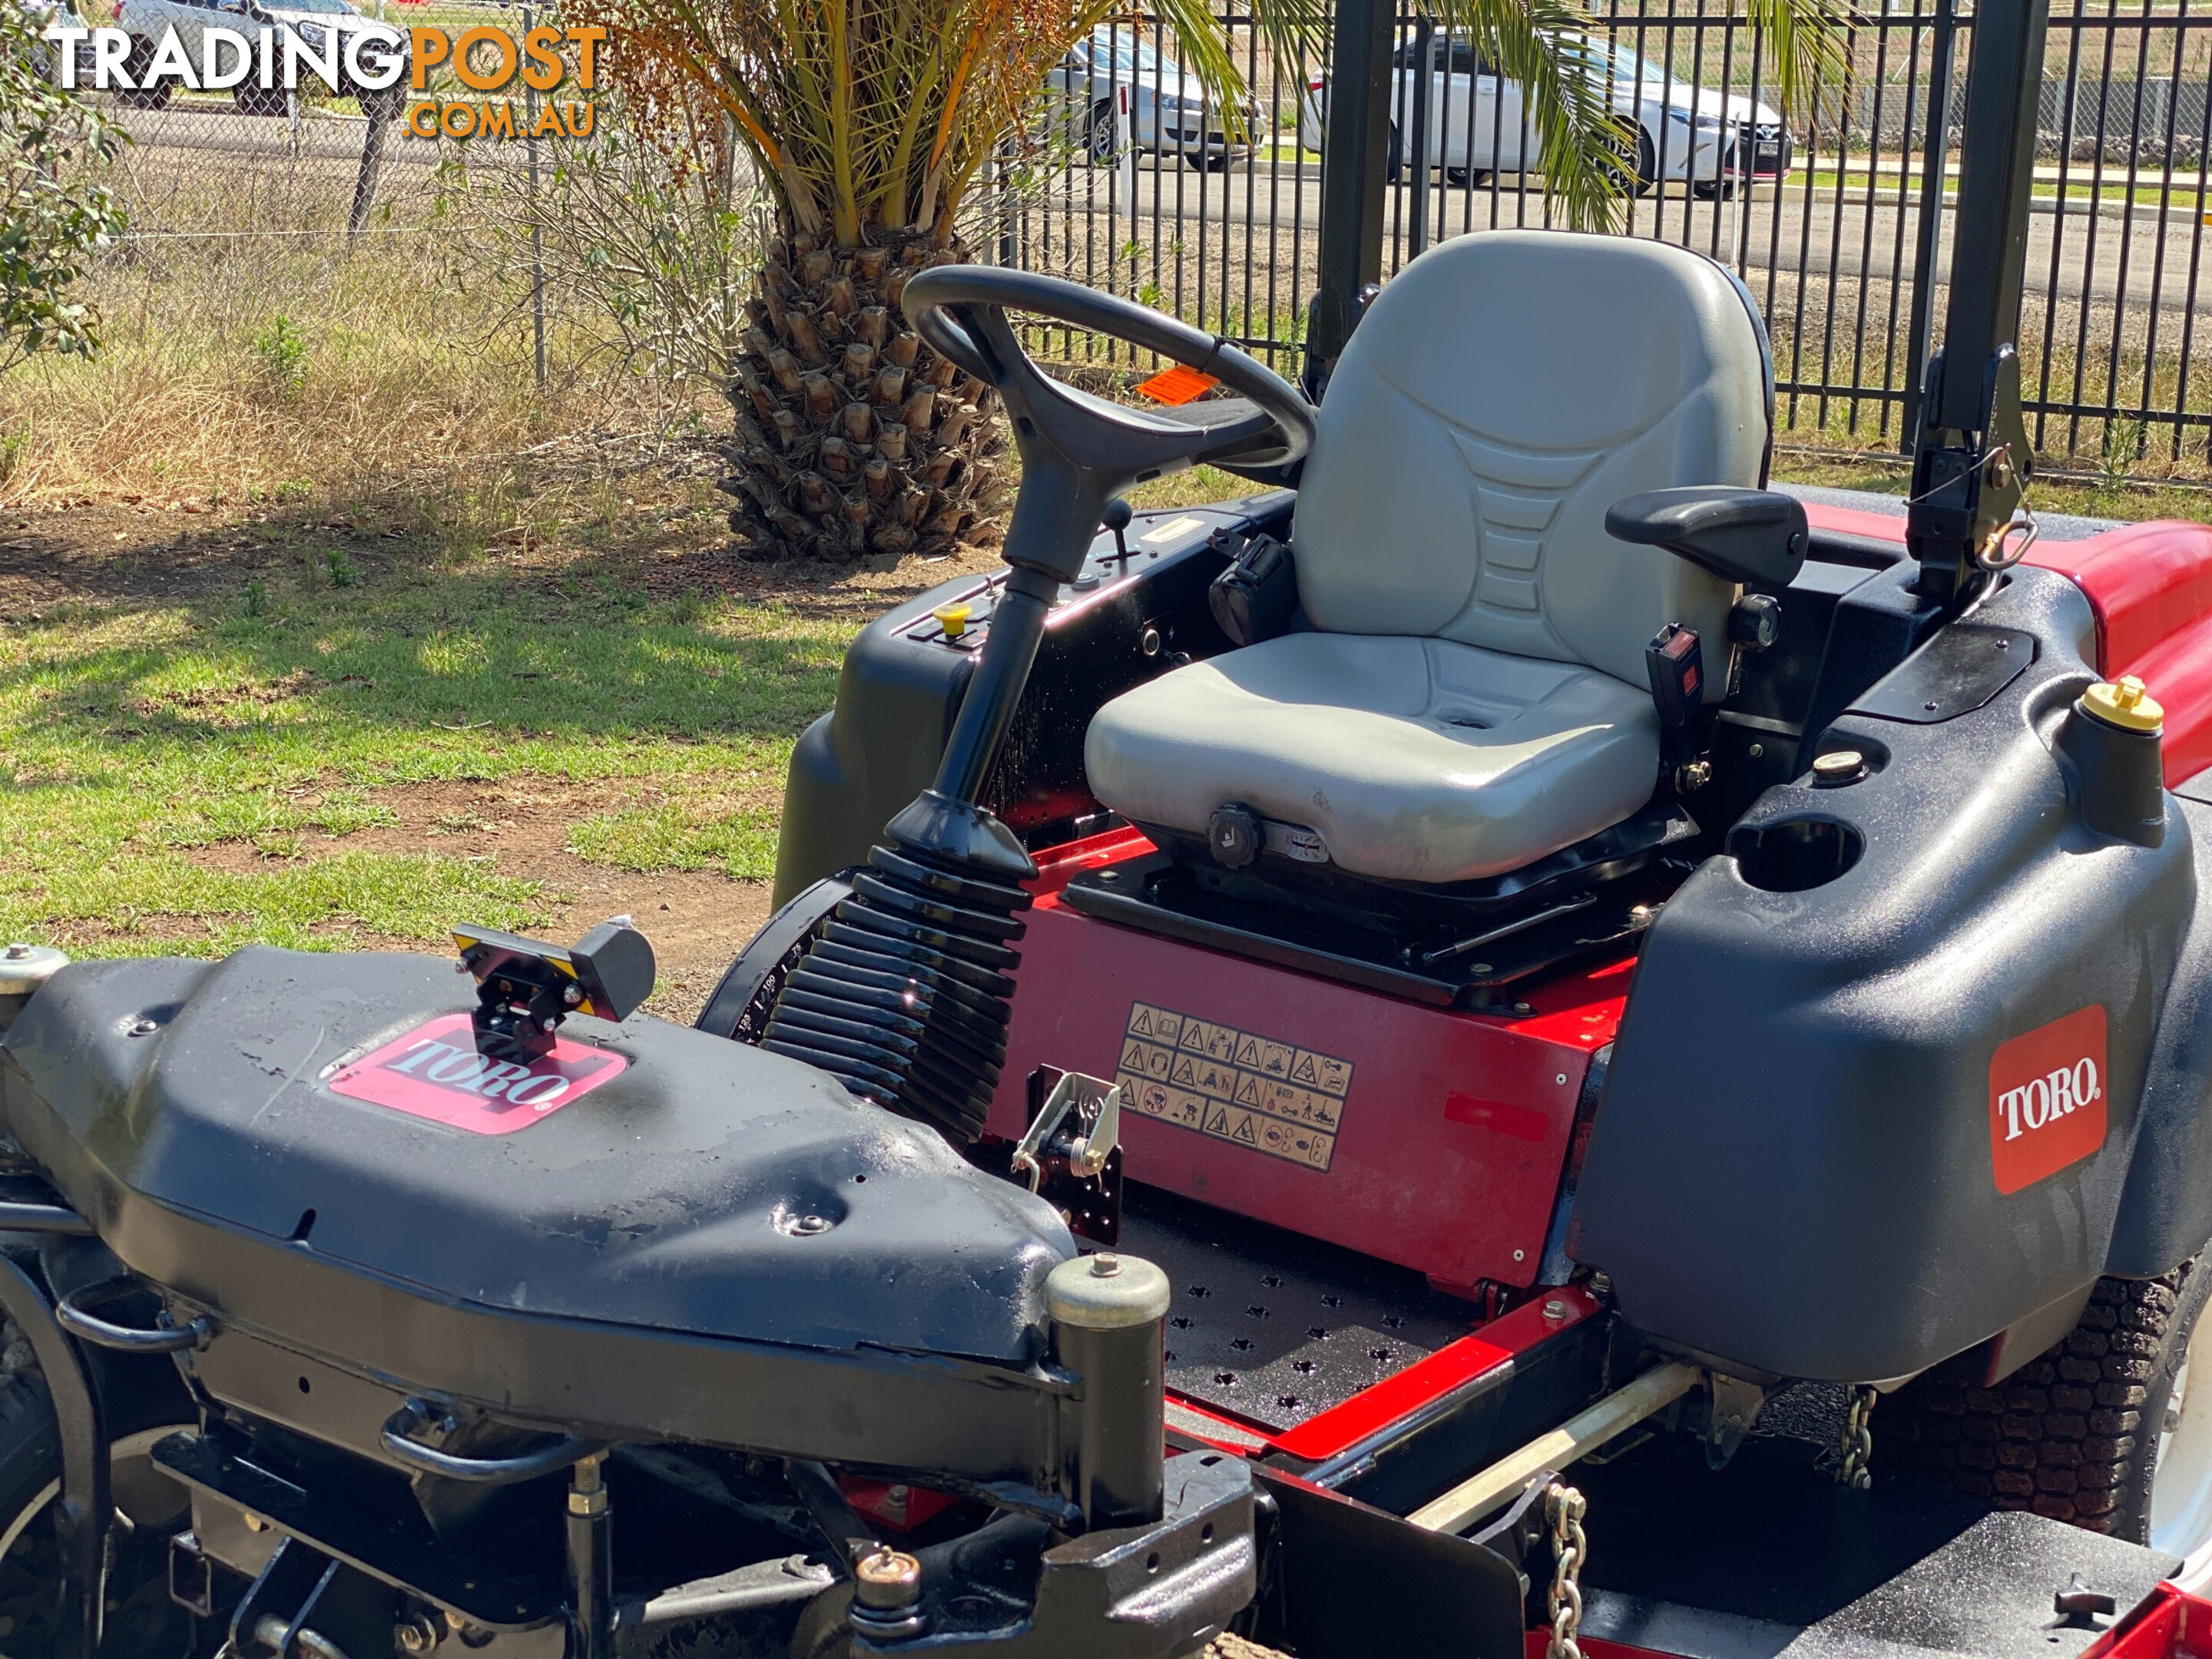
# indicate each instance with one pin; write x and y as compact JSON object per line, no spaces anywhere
{"x":1116,"y":517}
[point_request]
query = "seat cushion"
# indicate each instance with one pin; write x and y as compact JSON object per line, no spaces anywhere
{"x":1417,"y":760}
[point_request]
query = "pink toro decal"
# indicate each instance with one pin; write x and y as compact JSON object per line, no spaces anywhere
{"x":435,"y":1072}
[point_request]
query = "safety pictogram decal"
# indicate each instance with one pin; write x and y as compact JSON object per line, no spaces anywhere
{"x":1250,"y":1091}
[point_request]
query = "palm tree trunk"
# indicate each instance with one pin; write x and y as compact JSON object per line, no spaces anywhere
{"x":851,"y":435}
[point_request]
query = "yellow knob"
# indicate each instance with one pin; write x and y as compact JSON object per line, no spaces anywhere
{"x":2124,"y":702}
{"x":953,"y":619}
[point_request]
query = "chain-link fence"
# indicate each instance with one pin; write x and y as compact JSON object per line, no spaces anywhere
{"x":1135,"y":182}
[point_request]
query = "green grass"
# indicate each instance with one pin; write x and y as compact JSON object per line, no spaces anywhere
{"x":171,"y":775}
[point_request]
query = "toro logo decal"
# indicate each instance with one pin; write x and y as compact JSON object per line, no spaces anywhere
{"x":436,"y":1072}
{"x":2047,"y":1098}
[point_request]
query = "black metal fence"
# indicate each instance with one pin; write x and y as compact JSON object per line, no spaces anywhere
{"x":1838,"y":219}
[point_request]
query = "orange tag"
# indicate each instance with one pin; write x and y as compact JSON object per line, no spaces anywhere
{"x":1178,"y":383}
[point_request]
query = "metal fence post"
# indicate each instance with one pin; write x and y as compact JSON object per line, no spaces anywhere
{"x":1416,"y":145}
{"x":1354,"y":162}
{"x":1935,"y":152}
{"x":537,"y":224}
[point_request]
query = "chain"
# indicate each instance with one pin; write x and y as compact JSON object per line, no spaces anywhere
{"x":1857,"y":1450}
{"x":1564,"y":1507}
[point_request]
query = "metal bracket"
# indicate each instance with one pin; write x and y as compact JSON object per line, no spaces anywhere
{"x":1070,"y":1156}
{"x":1097,"y":1106}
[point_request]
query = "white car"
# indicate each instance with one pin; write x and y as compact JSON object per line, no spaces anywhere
{"x":313,"y":20}
{"x":1168,"y":110}
{"x":1712,"y":139}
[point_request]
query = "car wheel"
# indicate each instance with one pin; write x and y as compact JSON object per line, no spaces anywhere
{"x":1208,"y":161}
{"x":1098,"y":134}
{"x":1715,"y":189}
{"x":258,"y":100}
{"x":1394,"y":165}
{"x":1466,"y":176}
{"x":1633,"y":140}
{"x":2105,"y":1430}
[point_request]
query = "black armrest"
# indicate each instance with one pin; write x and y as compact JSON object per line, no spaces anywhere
{"x":1755,"y":537}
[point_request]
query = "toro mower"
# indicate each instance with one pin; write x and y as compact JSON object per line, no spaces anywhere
{"x":1519,"y":1044}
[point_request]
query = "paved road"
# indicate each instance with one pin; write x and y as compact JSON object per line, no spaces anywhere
{"x":2104,"y":255}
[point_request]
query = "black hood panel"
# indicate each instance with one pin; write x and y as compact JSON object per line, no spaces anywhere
{"x":708,"y":1188}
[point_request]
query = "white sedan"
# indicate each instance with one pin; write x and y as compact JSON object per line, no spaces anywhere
{"x":1712,"y":139}
{"x":1169,"y":109}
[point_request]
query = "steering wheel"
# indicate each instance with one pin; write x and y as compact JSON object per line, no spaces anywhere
{"x":1079,"y":450}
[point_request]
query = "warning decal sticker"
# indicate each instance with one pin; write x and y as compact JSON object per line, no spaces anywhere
{"x":1238,"y":1086}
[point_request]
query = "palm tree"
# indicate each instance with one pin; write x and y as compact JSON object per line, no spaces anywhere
{"x":871,"y":122}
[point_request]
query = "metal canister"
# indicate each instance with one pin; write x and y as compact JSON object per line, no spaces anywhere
{"x":1108,"y":1315}
{"x":24,"y":970}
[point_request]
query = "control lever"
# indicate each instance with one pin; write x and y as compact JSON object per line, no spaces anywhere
{"x":1116,"y":519}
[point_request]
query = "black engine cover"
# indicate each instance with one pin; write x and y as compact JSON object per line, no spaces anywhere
{"x":708,"y":1188}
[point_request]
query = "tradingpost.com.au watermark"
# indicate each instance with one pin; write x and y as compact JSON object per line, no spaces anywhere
{"x":360,"y":56}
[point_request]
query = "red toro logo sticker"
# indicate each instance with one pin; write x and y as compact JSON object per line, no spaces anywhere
{"x":2047,"y":1098}
{"x":436,"y":1072}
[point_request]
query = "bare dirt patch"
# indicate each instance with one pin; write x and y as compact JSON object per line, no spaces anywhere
{"x":696,"y":920}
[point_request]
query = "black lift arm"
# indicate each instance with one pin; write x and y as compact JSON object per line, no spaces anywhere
{"x":1972,"y":463}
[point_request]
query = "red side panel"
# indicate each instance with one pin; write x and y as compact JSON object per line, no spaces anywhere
{"x":2171,"y":1624}
{"x":2151,"y":587}
{"x":1418,"y":1134}
{"x":1880,"y":526}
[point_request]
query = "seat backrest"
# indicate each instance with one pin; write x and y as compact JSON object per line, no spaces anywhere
{"x":1501,"y":392}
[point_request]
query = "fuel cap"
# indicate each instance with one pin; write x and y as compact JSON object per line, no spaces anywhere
{"x":1838,"y":766}
{"x":2126,"y":703}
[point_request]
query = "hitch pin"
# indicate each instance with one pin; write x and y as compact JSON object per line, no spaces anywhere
{"x":1087,"y":1153}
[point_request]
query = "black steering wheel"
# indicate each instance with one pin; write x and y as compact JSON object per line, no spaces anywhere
{"x":1079,"y":450}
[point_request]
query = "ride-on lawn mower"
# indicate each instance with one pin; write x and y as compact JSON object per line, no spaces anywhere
{"x":1523,"y":1046}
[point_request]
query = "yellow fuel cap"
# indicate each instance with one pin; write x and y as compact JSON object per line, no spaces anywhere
{"x":2124,"y":702}
{"x":953,"y":619}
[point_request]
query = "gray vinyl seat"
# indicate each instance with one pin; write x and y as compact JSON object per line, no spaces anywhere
{"x":1472,"y":696}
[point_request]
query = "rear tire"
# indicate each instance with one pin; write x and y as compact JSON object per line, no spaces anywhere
{"x":258,"y":100}
{"x":2100,"y":1431}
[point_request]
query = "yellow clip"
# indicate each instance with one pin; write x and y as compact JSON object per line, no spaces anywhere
{"x":953,"y":618}
{"x":2125,"y":703}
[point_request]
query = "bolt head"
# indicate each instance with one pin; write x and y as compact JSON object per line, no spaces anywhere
{"x":886,"y":1578}
{"x":1520,"y":1255}
{"x":17,"y":952}
{"x":1105,"y":1265}
{"x":1555,"y":1309}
